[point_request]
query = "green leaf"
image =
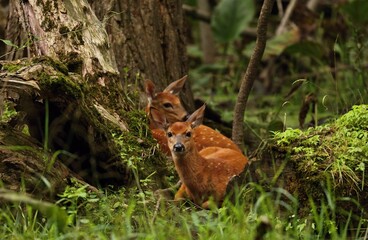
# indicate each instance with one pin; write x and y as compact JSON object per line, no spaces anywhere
{"x":277,"y":44}
{"x":230,"y":18}
{"x":9,"y":43}
{"x":306,"y":48}
{"x":357,"y":11}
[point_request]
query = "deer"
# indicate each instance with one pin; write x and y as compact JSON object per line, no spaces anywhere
{"x":204,"y":173}
{"x":168,"y":104}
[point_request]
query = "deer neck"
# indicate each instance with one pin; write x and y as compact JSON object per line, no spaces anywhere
{"x":188,"y":165}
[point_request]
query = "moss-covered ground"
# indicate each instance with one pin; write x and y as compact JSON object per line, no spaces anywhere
{"x":333,"y":156}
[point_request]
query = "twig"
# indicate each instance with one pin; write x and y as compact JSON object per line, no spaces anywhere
{"x":286,"y":17}
{"x":250,"y":74}
{"x":156,"y":209}
{"x":280,"y":8}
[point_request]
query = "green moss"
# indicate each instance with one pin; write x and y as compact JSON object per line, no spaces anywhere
{"x":336,"y":152}
{"x":14,"y":66}
{"x":138,"y":122}
{"x":343,"y":142}
{"x":11,"y":67}
{"x":60,"y":85}
{"x":287,"y":137}
{"x":52,"y":62}
{"x":138,"y":151}
{"x":356,"y":119}
{"x":7,"y":112}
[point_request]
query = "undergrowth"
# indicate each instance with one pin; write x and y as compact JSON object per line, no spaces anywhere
{"x":334,"y":157}
{"x":126,"y":214}
{"x":338,"y":148}
{"x":139,"y":152}
{"x":330,"y":161}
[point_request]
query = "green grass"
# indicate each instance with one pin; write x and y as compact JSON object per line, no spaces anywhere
{"x":271,"y":212}
{"x":130,"y":214}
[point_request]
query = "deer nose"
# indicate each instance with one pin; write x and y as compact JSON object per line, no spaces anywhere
{"x":178,"y":147}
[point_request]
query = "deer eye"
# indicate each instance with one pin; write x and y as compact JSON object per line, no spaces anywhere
{"x":169,"y":134}
{"x":168,"y":105}
{"x":188,"y":134}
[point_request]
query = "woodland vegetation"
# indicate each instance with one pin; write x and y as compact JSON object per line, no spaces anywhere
{"x":285,"y":79}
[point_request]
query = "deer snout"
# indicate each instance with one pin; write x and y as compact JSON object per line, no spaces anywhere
{"x":178,"y":147}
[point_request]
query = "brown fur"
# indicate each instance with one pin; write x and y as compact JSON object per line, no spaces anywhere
{"x":204,"y":136}
{"x":206,"y":173}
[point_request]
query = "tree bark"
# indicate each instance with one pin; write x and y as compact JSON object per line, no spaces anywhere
{"x":4,"y":11}
{"x":207,"y":39}
{"x":66,"y":30}
{"x":148,"y":40}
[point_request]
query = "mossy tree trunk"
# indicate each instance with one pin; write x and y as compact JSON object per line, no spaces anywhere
{"x":145,"y":38}
{"x":75,"y":90}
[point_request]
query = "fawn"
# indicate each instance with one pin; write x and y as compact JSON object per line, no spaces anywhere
{"x":168,"y":104}
{"x":203,"y":173}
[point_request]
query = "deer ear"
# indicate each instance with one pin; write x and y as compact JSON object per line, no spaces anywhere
{"x":177,"y":86}
{"x":196,"y":118}
{"x":149,"y":87}
{"x":159,"y":120}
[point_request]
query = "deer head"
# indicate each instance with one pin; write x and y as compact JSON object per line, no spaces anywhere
{"x":167,"y":102}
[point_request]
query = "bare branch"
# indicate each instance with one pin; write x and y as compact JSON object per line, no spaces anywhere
{"x":286,"y":17}
{"x":250,"y":74}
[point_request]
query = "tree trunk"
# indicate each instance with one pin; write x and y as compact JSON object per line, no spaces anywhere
{"x":148,"y":40}
{"x":207,"y":40}
{"x":74,"y":101}
{"x":4,"y":10}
